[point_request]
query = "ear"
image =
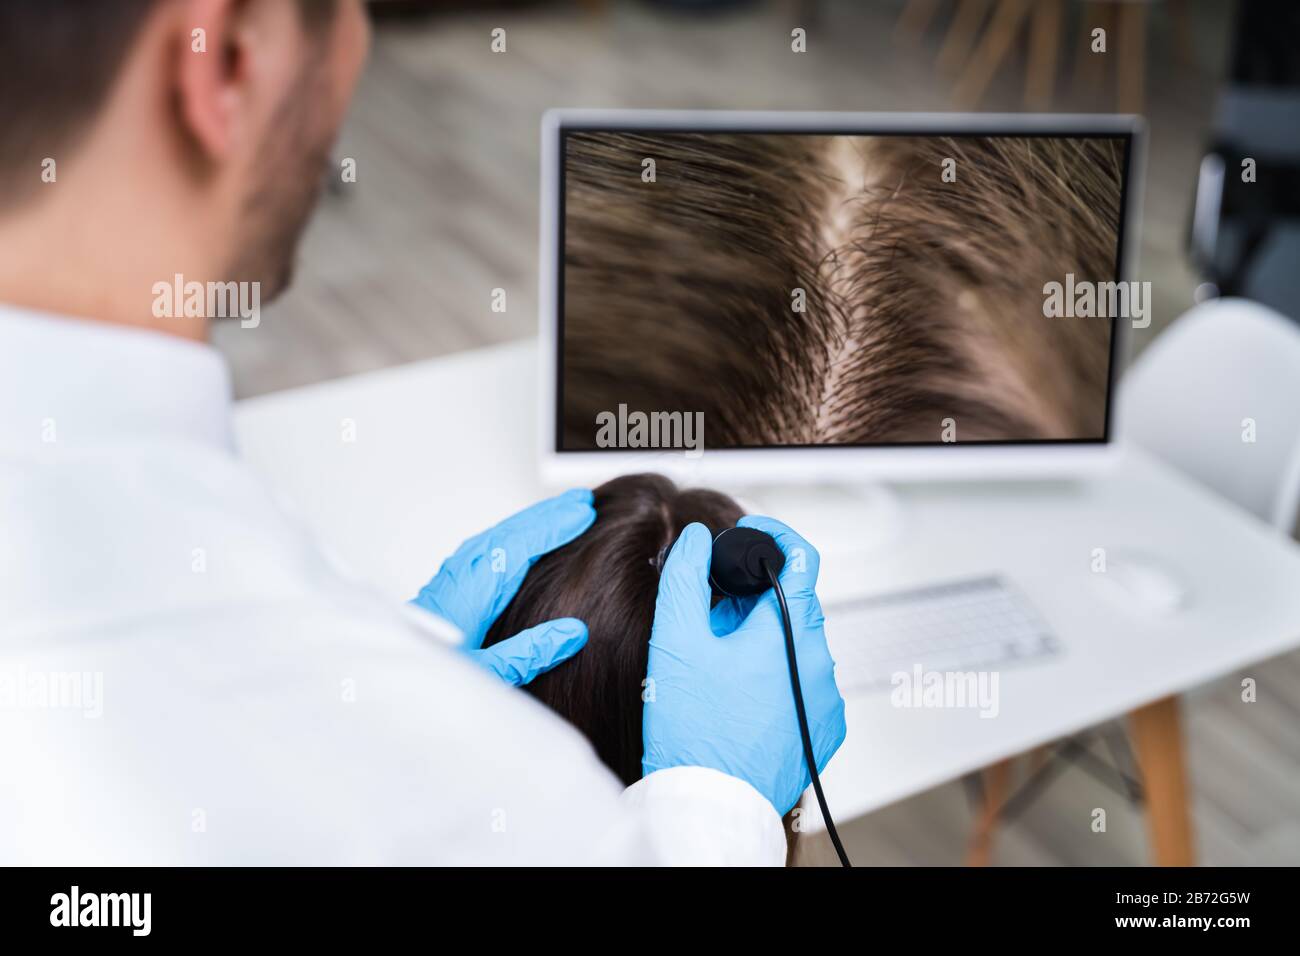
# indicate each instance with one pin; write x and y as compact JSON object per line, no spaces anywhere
{"x":212,"y":74}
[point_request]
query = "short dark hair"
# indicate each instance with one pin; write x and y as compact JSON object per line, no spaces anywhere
{"x":61,"y":58}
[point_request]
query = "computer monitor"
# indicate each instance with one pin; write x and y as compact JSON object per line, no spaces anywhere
{"x":775,"y":297}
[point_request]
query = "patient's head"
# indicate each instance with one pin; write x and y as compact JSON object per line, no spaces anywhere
{"x":609,"y":578}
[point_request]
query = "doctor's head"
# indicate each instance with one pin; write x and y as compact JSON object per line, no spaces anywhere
{"x":143,"y":138}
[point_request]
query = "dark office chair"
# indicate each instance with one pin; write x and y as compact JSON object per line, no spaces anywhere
{"x":1245,"y":235}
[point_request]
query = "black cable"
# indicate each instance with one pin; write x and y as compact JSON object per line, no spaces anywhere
{"x":802,"y":714}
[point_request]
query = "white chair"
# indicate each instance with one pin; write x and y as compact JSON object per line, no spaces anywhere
{"x":1217,"y":395}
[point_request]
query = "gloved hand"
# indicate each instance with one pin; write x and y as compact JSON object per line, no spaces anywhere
{"x":475,"y":584}
{"x":720,"y":695}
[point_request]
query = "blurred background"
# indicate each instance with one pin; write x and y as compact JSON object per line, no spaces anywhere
{"x":400,"y":266}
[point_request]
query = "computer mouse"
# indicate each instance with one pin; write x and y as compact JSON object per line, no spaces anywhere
{"x":1144,"y":583}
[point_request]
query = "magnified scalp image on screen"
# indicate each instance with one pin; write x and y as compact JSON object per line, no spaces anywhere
{"x":807,"y":289}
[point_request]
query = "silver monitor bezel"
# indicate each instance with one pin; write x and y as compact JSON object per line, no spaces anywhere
{"x":832,"y":462}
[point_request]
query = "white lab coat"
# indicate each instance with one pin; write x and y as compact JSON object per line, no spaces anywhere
{"x":185,"y":680}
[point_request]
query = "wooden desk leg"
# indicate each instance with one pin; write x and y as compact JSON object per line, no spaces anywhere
{"x":996,"y":780}
{"x":1156,"y":731}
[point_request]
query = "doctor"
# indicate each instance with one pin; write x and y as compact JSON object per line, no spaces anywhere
{"x":183,"y":679}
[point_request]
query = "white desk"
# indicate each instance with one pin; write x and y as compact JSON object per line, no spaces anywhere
{"x":445,"y":448}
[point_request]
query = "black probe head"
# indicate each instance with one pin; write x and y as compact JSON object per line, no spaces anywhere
{"x":736,"y":569}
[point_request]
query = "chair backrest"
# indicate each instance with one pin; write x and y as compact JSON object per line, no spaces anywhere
{"x":1217,"y":395}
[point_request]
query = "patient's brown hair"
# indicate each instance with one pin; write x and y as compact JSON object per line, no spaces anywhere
{"x":609,"y":578}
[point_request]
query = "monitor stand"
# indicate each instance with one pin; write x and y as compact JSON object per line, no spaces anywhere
{"x":858,"y":519}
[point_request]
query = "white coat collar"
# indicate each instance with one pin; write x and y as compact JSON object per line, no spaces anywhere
{"x":71,"y":382}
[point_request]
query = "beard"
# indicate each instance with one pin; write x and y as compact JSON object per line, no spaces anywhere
{"x":294,"y":158}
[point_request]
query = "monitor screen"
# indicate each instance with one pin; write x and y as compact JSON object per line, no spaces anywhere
{"x":795,"y":289}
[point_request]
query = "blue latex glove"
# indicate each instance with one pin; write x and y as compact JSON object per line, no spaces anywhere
{"x":475,"y":584}
{"x":721,"y":682}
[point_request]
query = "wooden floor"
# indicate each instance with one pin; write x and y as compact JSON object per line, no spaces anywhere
{"x":1245,"y":778}
{"x":401,"y":266}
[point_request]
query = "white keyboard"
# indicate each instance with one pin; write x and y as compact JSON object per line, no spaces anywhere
{"x":976,"y":625}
